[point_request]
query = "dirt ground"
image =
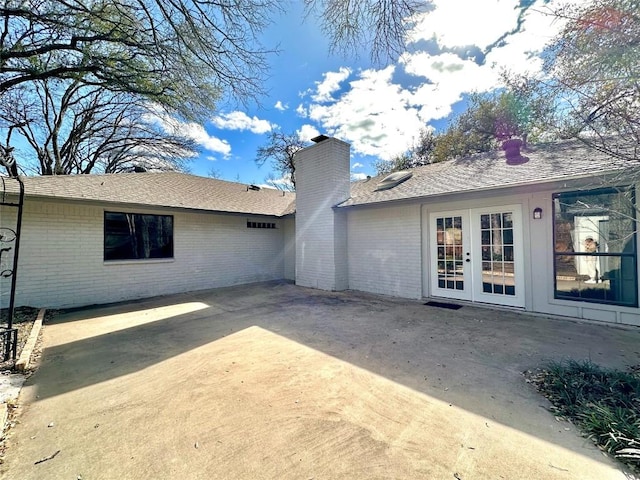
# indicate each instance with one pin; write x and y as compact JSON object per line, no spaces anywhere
{"x":274,"y":381}
{"x":22,"y":321}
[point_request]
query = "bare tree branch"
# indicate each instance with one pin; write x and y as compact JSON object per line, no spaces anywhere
{"x":84,"y":129}
{"x":281,"y":149}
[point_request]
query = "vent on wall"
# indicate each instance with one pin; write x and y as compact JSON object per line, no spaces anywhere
{"x":393,"y":179}
{"x":260,"y":224}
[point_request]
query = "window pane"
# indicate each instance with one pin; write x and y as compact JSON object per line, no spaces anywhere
{"x":608,"y":217}
{"x":616,"y":286}
{"x":595,"y":245}
{"x":129,"y":236}
{"x":508,"y":254}
{"x":508,"y":236}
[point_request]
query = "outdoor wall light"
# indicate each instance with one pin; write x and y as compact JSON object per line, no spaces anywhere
{"x":537,"y":213}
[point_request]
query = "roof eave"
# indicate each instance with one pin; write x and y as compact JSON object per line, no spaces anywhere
{"x":148,"y":206}
{"x":547,"y":182}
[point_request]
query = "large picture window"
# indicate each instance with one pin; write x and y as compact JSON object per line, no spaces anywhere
{"x":595,"y":246}
{"x":132,"y":236}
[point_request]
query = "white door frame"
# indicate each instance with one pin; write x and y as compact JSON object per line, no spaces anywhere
{"x":456,"y":271}
{"x":469,"y":269}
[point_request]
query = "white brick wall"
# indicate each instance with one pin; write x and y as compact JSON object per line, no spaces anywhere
{"x":289,"y":226}
{"x":385,"y":251}
{"x":8,"y":217}
{"x":322,"y":181}
{"x":61,"y":256}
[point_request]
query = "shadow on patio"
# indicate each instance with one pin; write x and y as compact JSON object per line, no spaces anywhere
{"x":268,"y":346}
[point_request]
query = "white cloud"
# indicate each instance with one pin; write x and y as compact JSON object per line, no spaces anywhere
{"x":241,"y":121}
{"x":449,"y":77}
{"x":201,"y":137}
{"x":307,"y":132}
{"x":381,"y":114}
{"x":330,"y":84}
{"x":461,"y":22}
{"x":282,"y":183}
{"x":194,"y":131}
{"x":280,"y":106}
{"x":356,"y":165}
{"x":376,"y":116}
{"x":359,"y":176}
{"x":301,"y":110}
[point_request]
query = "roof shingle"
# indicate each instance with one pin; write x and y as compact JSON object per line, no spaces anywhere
{"x":546,"y":163}
{"x":171,"y":189}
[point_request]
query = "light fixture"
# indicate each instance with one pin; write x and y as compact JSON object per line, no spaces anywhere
{"x":537,"y":213}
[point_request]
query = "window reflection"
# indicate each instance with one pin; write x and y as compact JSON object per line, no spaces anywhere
{"x":498,"y":267}
{"x":595,"y":246}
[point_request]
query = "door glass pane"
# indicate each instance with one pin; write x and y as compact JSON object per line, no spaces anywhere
{"x":496,"y":238}
{"x":508,"y":253}
{"x":507,"y":237}
{"x":449,"y":252}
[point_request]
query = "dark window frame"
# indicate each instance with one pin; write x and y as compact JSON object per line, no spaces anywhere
{"x":120,"y":244}
{"x":558,"y":294}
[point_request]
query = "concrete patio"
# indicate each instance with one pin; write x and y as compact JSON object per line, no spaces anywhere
{"x":271,"y":381}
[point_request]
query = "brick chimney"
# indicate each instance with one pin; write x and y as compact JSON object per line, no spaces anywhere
{"x":322,"y":181}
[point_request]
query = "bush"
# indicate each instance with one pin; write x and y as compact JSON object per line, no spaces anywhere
{"x":604,"y":404}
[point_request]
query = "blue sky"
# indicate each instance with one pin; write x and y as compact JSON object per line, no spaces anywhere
{"x":459,"y":47}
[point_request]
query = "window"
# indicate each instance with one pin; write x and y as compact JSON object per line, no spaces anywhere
{"x":133,"y":236}
{"x":393,"y":179}
{"x":595,"y":246}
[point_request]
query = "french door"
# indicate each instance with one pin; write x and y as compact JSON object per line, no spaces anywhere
{"x":477,"y":255}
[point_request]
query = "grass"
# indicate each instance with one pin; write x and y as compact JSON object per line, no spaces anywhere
{"x":603,"y":403}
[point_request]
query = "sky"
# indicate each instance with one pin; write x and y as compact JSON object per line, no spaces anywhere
{"x":459,"y":47}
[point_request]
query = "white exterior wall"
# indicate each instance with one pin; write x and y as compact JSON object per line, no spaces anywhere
{"x":8,"y":225}
{"x":538,"y":258}
{"x":61,"y":256}
{"x":289,"y":227}
{"x":322,"y":181}
{"x":389,"y":253}
{"x":542,"y":281}
{"x":385,"y":251}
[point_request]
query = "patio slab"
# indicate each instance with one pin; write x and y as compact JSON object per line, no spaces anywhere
{"x":276,"y":381}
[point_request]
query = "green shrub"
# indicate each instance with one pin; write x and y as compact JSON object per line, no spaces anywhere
{"x":605,"y":404}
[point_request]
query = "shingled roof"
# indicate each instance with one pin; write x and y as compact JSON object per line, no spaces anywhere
{"x":489,"y":171}
{"x":171,"y":189}
{"x":546,"y":163}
